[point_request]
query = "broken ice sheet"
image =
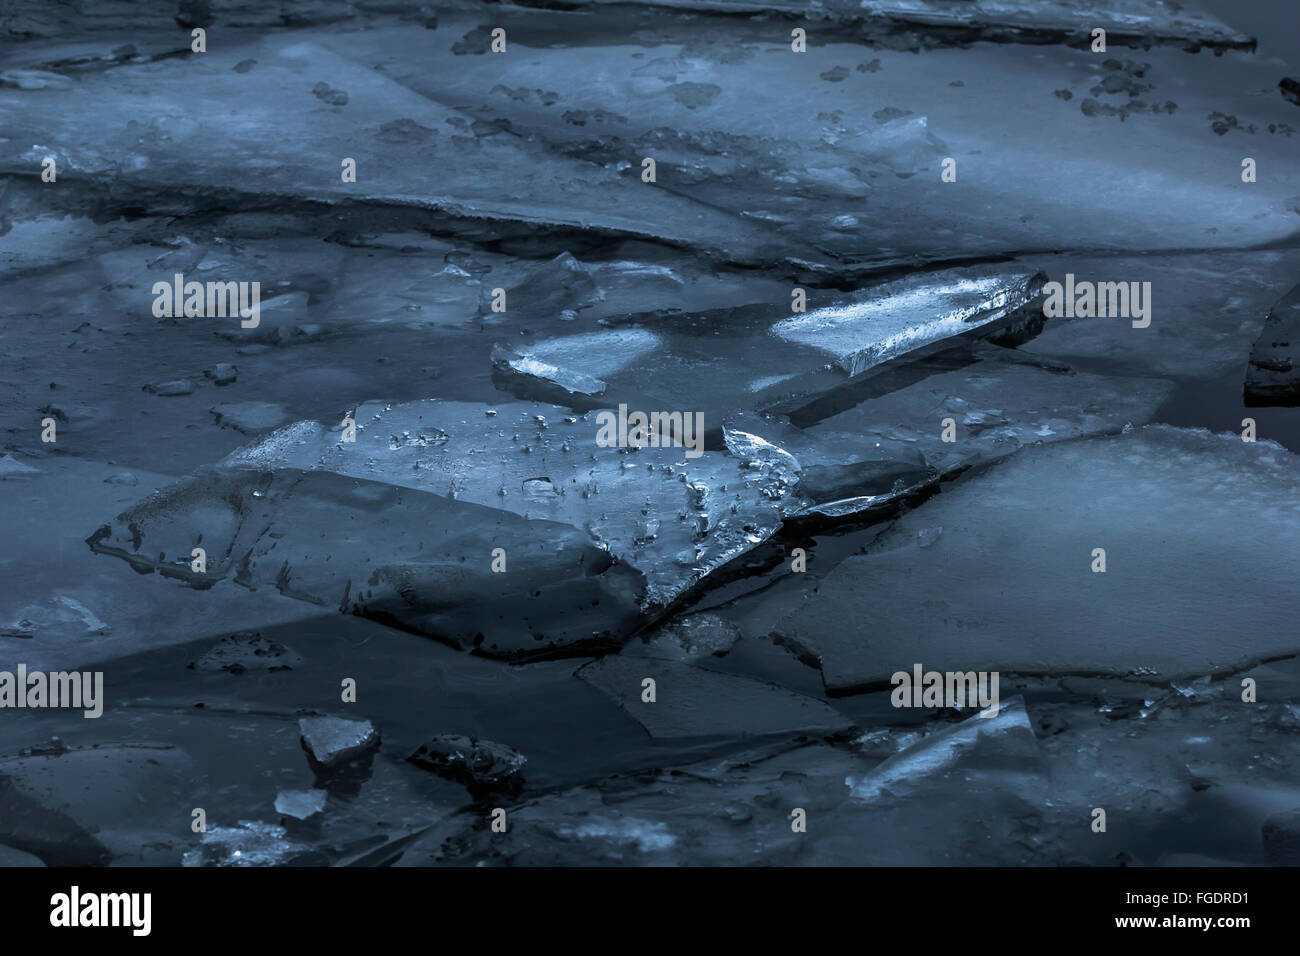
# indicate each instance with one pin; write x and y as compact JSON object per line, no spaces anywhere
{"x":709,"y":814}
{"x":91,"y":805}
{"x":761,"y":356}
{"x":1170,"y":507}
{"x":137,"y":124}
{"x":576,"y":363}
{"x":1144,"y":21}
{"x":402,"y":556}
{"x":692,"y":701}
{"x":997,"y":405}
{"x":1273,"y":375}
{"x":250,"y":418}
{"x":665,"y":517}
{"x":760,"y":151}
{"x":997,"y":400}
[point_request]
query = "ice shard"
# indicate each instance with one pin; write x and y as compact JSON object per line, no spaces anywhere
{"x":763,"y":357}
{"x":977,"y":745}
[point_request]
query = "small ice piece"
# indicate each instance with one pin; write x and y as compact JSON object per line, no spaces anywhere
{"x":578,"y":364}
{"x":281,"y":319}
{"x":332,"y":741}
{"x":927,"y":536}
{"x":648,"y":836}
{"x":718,"y":362}
{"x":831,"y":473}
{"x":300,"y":804}
{"x":12,"y":469}
{"x":758,"y":452}
{"x":35,"y":80}
{"x":1273,"y":375}
{"x":175,"y":387}
{"x":564,"y":283}
{"x":327,"y":94}
{"x":1000,"y":743}
{"x":575,"y":383}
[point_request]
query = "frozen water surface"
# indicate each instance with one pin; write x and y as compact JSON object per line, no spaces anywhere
{"x":1185,"y":515}
{"x":503,"y":270}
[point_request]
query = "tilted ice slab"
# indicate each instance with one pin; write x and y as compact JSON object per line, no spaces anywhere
{"x":862,"y":334}
{"x":193,"y":127}
{"x":1146,"y":20}
{"x":1273,"y":375}
{"x":444,"y":484}
{"x":761,"y":356}
{"x":994,"y":402}
{"x":832,"y":475}
{"x":814,"y":146}
{"x":1201,"y":535}
{"x":404,"y":557}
